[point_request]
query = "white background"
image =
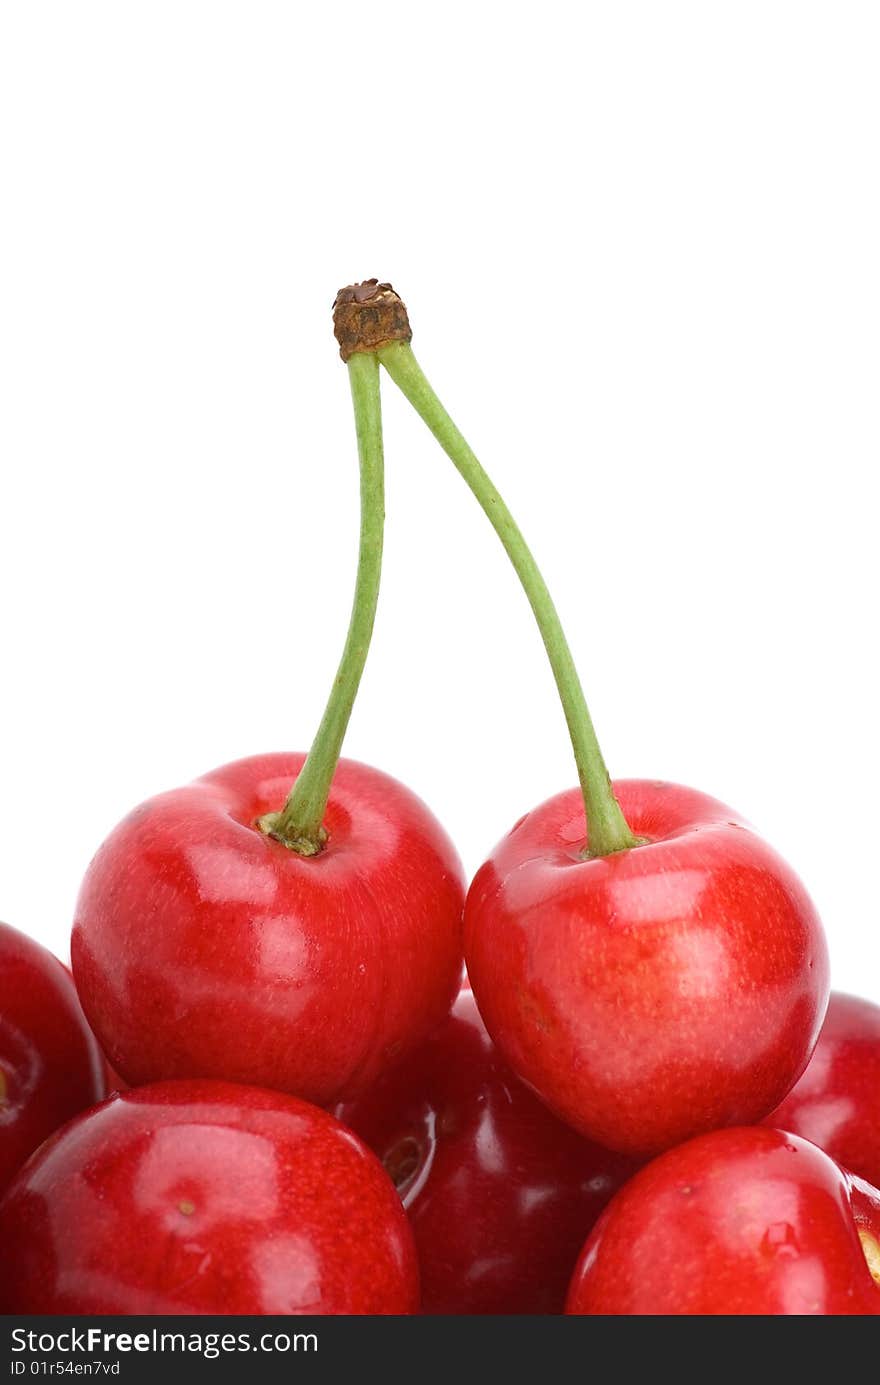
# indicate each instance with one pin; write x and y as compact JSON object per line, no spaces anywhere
{"x":639,"y":244}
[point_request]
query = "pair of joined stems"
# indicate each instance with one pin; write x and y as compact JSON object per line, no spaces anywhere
{"x":300,"y":823}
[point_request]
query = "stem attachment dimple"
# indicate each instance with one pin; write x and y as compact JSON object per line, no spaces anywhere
{"x":607,"y":828}
{"x":299,"y":824}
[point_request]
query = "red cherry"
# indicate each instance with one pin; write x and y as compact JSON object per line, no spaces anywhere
{"x":656,"y":992}
{"x":747,"y":1221}
{"x":203,"y":947}
{"x":671,"y":980}
{"x":500,"y":1193}
{"x":202,"y":1198}
{"x":50,"y":1065}
{"x":836,"y":1103}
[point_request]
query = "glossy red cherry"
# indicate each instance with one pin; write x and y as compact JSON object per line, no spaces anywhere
{"x":746,"y":1221}
{"x":204,"y":948}
{"x":656,"y":992}
{"x":203,"y":1198}
{"x":500,"y":1193}
{"x":646,"y":963}
{"x":50,"y":1065}
{"x":836,"y":1103}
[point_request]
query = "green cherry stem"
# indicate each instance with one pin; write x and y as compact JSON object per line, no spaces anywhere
{"x":607,"y":828}
{"x":299,"y":825}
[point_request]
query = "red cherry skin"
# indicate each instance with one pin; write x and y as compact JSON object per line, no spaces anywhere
{"x":836,"y":1103}
{"x":201,"y":1198}
{"x":113,"y":1081}
{"x":746,"y":1221}
{"x":655,"y":993}
{"x":204,"y":948}
{"x":499,"y":1192}
{"x":50,"y":1064}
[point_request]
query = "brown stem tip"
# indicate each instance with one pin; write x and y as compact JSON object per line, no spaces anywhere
{"x":367,"y":316}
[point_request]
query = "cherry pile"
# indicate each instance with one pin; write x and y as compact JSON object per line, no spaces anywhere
{"x":628,"y":1103}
